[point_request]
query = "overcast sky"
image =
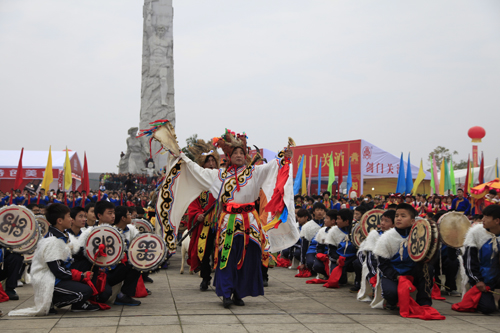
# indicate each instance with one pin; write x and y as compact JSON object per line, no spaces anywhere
{"x":406,"y":76}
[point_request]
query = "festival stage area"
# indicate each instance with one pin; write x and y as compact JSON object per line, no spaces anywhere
{"x":290,"y":305}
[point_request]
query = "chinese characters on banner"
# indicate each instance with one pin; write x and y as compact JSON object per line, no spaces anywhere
{"x":341,"y":152}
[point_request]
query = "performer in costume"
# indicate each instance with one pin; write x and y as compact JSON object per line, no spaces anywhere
{"x":481,"y":258}
{"x":201,"y":210}
{"x":308,"y":233}
{"x":340,"y":245}
{"x":53,"y":281}
{"x":11,"y":266}
{"x":394,"y":261}
{"x":295,"y":251}
{"x":322,"y":246}
{"x":240,"y":238}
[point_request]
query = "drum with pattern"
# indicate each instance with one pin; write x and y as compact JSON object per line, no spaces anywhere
{"x":17,"y":226}
{"x":43,"y":223}
{"x":147,"y":252}
{"x":144,"y":226}
{"x":453,"y":227}
{"x":31,"y":245}
{"x":357,"y":236}
{"x":370,"y":221}
{"x":423,"y":240}
{"x":104,"y":246}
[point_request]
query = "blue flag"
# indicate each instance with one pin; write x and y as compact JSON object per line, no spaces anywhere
{"x":401,"y":188}
{"x":409,"y":177}
{"x":319,"y":177}
{"x":349,"y":178}
{"x":298,"y":177}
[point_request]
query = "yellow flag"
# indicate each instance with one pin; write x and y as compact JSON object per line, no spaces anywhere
{"x":67,"y":172}
{"x":420,"y":177}
{"x":304,"y":182}
{"x":47,"y":176}
{"x":441,"y":179}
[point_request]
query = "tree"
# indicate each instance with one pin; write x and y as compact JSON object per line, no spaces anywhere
{"x":441,"y":152}
{"x":189,"y":141}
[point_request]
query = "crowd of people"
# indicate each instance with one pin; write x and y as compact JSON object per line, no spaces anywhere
{"x":326,"y":249}
{"x":129,"y":182}
{"x":73,"y":279}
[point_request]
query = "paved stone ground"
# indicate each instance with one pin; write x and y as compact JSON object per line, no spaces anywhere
{"x":289,"y":305}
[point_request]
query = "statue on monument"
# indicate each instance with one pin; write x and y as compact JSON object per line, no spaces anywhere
{"x":137,"y":153}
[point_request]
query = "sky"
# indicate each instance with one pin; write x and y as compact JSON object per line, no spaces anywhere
{"x":406,"y":76}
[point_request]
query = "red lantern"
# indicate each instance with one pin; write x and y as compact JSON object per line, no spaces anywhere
{"x":476,"y":133}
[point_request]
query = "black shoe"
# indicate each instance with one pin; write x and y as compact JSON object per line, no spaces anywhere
{"x":356,"y":288}
{"x":389,"y":306}
{"x":85,"y":307}
{"x":226,"y":302}
{"x":204,"y":285}
{"x":13,"y":296}
{"x":148,"y":291}
{"x":265,"y":283}
{"x":52,"y":310}
{"x":126,"y":300}
{"x":147,"y":279}
{"x":238,"y":301}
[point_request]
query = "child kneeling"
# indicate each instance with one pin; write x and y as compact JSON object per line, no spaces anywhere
{"x":54,"y":283}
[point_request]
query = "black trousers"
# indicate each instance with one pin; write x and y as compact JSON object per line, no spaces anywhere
{"x":12,"y":269}
{"x":126,"y":274}
{"x":424,"y":287}
{"x":450,"y":268}
{"x":265,"y":269}
{"x":68,"y":292}
{"x":290,"y":253}
{"x":351,"y":264}
{"x":310,"y":261}
{"x":206,"y":268}
{"x":319,"y":267}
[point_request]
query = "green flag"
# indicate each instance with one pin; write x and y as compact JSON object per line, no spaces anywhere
{"x":331,"y":174}
{"x":433,"y":184}
{"x":452,"y":178}
{"x":447,"y":182}
{"x":471,"y":180}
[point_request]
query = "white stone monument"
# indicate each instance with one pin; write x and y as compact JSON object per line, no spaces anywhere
{"x":157,"y":90}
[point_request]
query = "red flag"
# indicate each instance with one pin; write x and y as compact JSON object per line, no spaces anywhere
{"x":466,"y":187}
{"x":481,"y":170}
{"x":121,"y":198}
{"x":85,"y":176}
{"x":19,"y":175}
{"x":340,"y":177}
{"x":38,"y":199}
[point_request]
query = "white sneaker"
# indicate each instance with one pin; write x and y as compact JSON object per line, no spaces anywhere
{"x":19,"y":284}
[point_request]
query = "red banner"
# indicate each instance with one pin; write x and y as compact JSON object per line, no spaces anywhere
{"x":341,"y":151}
{"x":11,"y":173}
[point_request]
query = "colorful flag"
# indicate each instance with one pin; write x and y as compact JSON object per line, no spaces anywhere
{"x":298,"y":177}
{"x":441,"y":178}
{"x":496,"y":168}
{"x":436,"y":185}
{"x":433,"y":180}
{"x":447,"y":181}
{"x":67,"y":172}
{"x":467,"y":176}
{"x":331,"y":174}
{"x":471,"y":180}
{"x":401,"y":186}
{"x":452,"y":178}
{"x":304,"y":180}
{"x":409,"y":177}
{"x":310,"y":173}
{"x":85,"y":176}
{"x":339,"y":183}
{"x":47,"y":175}
{"x":481,"y":170}
{"x":420,"y":177}
{"x":19,"y":174}
{"x":319,"y":177}
{"x":349,"y":178}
